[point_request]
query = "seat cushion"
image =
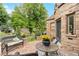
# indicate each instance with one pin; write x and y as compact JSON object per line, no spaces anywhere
{"x":14,"y":43}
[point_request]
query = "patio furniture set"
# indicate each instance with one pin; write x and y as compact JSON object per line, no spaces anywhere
{"x":10,"y":42}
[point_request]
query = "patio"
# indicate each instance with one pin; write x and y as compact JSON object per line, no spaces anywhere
{"x":29,"y":49}
{"x":26,"y":49}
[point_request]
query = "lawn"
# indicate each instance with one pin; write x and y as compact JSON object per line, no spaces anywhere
{"x":2,"y":34}
{"x":29,"y":38}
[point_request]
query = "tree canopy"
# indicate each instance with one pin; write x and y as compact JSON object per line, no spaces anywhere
{"x":3,"y":15}
{"x":31,"y":16}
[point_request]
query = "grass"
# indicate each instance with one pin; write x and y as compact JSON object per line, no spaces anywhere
{"x":2,"y":34}
{"x":31,"y":38}
{"x":32,"y":41}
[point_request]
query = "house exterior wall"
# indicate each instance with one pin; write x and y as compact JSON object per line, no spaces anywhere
{"x":62,"y":12}
{"x":50,"y":28}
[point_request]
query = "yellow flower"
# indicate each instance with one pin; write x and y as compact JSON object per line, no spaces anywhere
{"x":45,"y":37}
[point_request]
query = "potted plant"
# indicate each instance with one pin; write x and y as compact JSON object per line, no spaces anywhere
{"x":46,"y":40}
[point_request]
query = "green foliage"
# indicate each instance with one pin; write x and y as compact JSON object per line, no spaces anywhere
{"x":31,"y":38}
{"x":4,"y":17}
{"x":36,"y":16}
{"x":31,"y":16}
{"x":17,"y":21}
{"x":23,"y":35}
{"x":5,"y":28}
{"x":2,"y":34}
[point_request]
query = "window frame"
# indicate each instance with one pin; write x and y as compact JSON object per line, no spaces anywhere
{"x":67,"y":26}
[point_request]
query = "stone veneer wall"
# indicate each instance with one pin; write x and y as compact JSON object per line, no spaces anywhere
{"x":51,"y":28}
{"x":62,"y":13}
{"x":48,"y":27}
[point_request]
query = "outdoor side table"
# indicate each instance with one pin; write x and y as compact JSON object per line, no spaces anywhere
{"x":46,"y":49}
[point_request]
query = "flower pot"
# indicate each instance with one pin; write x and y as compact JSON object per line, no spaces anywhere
{"x":46,"y":42}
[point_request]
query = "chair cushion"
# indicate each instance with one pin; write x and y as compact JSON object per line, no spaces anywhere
{"x":53,"y":41}
{"x":13,"y":43}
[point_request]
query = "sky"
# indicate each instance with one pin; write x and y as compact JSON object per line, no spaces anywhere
{"x":10,"y":7}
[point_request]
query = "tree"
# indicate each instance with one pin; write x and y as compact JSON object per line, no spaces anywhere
{"x":17,"y":22}
{"x":3,"y":15}
{"x":36,"y":16}
{"x":32,"y":16}
{"x":4,"y":18}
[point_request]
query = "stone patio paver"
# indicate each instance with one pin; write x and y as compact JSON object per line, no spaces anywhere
{"x":27,"y":48}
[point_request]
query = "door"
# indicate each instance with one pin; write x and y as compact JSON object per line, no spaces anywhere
{"x":58,"y":29}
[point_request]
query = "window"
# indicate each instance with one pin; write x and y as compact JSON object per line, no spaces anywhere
{"x":70,"y":24}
